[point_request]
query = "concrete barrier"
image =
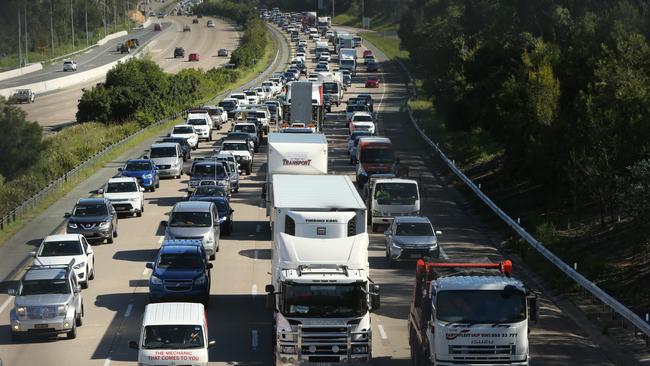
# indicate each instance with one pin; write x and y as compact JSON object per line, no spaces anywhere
{"x":20,"y":71}
{"x":74,"y":78}
{"x":111,"y":36}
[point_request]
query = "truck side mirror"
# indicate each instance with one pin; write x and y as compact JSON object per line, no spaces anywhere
{"x":212,"y":344}
{"x":533,"y":308}
{"x":149,"y":265}
{"x":134,"y":345}
{"x":269,"y":289}
{"x":375,"y":298}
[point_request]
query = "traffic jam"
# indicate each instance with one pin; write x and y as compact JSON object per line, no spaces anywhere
{"x":319,"y":287}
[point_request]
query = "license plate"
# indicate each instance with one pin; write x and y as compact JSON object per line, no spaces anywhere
{"x":415,"y":256}
{"x":40,"y":326}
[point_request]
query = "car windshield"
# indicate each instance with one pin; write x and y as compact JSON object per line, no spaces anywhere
{"x":209,"y":191}
{"x":121,"y":187}
{"x":197,"y":122}
{"x":163,"y":152}
{"x":136,"y":166}
{"x":414,"y":229}
{"x":377,"y":155}
{"x":177,"y":336}
{"x":190,"y":219}
{"x":179,"y":140}
{"x":347,"y":62}
{"x":324,"y":301}
{"x":98,"y":209}
{"x":233,"y":147}
{"x":396,"y":193}
{"x":356,"y":108}
{"x":60,"y":248}
{"x":180,"y":260}
{"x":44,"y":287}
{"x":212,"y":170}
{"x":182,"y":130}
{"x":228,"y":106}
{"x":481,"y":306}
{"x":362,"y":118}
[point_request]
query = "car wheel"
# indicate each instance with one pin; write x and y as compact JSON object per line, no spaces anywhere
{"x":138,"y":213}
{"x":79,"y":319}
{"x":158,"y":183}
{"x":236,"y":189}
{"x":92,"y":274}
{"x":248,"y":170}
{"x":213,"y":256}
{"x":72,"y":334}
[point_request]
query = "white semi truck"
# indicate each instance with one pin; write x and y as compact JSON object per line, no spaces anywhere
{"x":294,"y":153}
{"x":304,"y":104}
{"x":463,"y":314}
{"x":348,"y":60}
{"x":321,"y":298}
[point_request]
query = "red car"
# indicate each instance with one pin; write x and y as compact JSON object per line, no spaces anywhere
{"x":193,"y":57}
{"x":367,"y":53}
{"x":372,"y":82}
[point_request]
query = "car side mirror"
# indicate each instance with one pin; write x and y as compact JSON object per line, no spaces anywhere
{"x":189,"y":174}
{"x":120,"y":169}
{"x":100,"y":191}
{"x":134,"y":345}
{"x":209,"y":265}
{"x":438,"y":232}
{"x":141,"y":189}
{"x":77,"y":289}
{"x":269,"y":288}
{"x":375,"y":298}
{"x":32,"y":253}
{"x":388,"y":232}
{"x":67,"y":215}
{"x":212,"y":344}
{"x":12,"y":292}
{"x":149,"y":265}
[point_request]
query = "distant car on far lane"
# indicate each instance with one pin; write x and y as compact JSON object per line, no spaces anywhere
{"x":222,"y":52}
{"x":186,"y":28}
{"x":193,"y":57}
{"x":210,"y":23}
{"x":69,"y":65}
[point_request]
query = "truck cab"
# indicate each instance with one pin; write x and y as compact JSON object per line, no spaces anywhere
{"x":469,"y":313}
{"x":388,"y":198}
{"x":375,"y":155}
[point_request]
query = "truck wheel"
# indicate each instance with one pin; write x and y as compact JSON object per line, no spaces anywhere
{"x":72,"y":334}
{"x":248,"y":170}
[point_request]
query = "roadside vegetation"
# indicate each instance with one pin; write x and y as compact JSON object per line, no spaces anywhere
{"x":546,"y":105}
{"x":136,"y":94}
{"x":37,"y":33}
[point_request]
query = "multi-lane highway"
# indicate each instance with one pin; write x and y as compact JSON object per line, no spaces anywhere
{"x":238,"y":321}
{"x":59,"y":107}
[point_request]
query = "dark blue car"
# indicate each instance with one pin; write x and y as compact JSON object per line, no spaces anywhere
{"x":144,"y":170}
{"x":181,"y":272}
{"x":223,"y":206}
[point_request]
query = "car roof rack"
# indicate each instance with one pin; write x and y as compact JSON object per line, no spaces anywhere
{"x":67,"y":267}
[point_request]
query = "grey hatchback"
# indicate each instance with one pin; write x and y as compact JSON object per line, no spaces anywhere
{"x":410,"y":238}
{"x":94,"y":218}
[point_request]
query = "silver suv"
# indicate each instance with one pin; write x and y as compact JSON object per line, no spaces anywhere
{"x":195,"y":220}
{"x":48,"y":301}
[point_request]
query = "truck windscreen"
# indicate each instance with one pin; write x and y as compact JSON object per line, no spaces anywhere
{"x":396,"y":193}
{"x":330,"y":88}
{"x":377,"y":155}
{"x":324,"y":301}
{"x":481,"y":306}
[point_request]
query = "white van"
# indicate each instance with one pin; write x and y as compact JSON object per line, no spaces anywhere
{"x":173,"y":333}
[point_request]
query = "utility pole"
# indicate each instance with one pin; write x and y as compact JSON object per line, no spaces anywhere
{"x":72,"y":21}
{"x":26,"y":47}
{"x":332,"y":9}
{"x":115,"y":15}
{"x":86,"y":14}
{"x":363,"y":12}
{"x":20,"y":42}
{"x":105,"y":20}
{"x":51,"y":29}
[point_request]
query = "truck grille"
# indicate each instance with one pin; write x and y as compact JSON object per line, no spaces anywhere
{"x":326,"y":344}
{"x":178,"y":285}
{"x":487,"y":353}
{"x":41,"y":312}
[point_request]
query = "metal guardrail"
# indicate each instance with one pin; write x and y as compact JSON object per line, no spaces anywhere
{"x":57,"y":184}
{"x":585,"y":283}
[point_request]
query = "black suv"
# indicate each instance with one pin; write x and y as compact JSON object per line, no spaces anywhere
{"x":94,"y":218}
{"x":179,"y":52}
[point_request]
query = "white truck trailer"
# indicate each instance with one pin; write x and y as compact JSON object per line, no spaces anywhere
{"x":304,"y":104}
{"x":316,"y":206}
{"x":294,"y":153}
{"x":463,"y":314}
{"x":348,"y":60}
{"x":322,"y":298}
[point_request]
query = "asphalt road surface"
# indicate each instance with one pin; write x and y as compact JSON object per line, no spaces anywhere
{"x":59,"y":107}
{"x":238,"y":321}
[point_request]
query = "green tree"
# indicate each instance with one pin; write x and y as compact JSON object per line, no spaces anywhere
{"x":20,"y":141}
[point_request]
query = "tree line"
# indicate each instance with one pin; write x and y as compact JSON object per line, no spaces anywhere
{"x":563,"y":85}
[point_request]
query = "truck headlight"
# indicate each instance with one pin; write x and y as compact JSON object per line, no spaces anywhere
{"x":62,"y":309}
{"x":104,"y":224}
{"x":288,"y":349}
{"x":359,"y":337}
{"x":72,"y":225}
{"x":200,"y":281}
{"x":155,"y":281}
{"x":359,"y":349}
{"x":79,"y":265}
{"x":21,"y":310}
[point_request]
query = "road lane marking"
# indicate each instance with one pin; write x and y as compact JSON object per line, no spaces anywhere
{"x":4,"y":305}
{"x":255,"y":254}
{"x":127,"y":313}
{"x":107,"y":362}
{"x":254,"y":339}
{"x":258,"y":228}
{"x":382,"y":333}
{"x":254,"y":290}
{"x":443,"y":254}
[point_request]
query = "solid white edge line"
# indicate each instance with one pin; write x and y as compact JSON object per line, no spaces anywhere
{"x":382,"y":333}
{"x":443,"y":254}
{"x":107,"y":362}
{"x":254,"y":290}
{"x":4,"y":305}
{"x":127,"y":313}
{"x":254,"y":339}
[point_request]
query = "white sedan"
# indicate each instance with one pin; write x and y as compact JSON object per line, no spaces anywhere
{"x":62,"y":250}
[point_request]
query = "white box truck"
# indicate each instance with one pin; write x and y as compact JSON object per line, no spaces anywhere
{"x":390,"y":197}
{"x":322,"y":298}
{"x":348,"y":60}
{"x":294,"y":153}
{"x":316,"y":206}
